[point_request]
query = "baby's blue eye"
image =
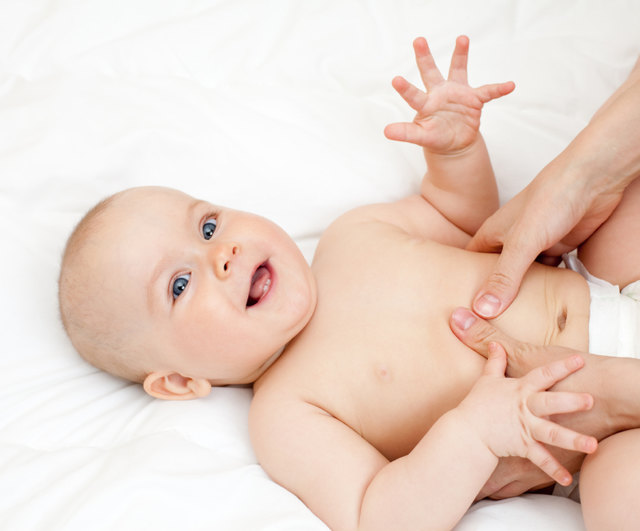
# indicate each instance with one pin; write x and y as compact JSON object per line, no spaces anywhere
{"x":209,"y":228}
{"x":179,"y":285}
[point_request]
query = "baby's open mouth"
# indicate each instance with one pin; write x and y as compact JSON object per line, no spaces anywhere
{"x":260,"y":284}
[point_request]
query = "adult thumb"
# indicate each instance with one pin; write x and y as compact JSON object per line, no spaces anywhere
{"x":477,"y":333}
{"x":503,"y":283}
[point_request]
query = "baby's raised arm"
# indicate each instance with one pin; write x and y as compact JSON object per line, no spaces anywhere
{"x":459,"y":182}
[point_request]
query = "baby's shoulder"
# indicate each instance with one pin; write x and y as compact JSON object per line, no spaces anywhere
{"x":412,"y":216}
{"x":280,"y":405}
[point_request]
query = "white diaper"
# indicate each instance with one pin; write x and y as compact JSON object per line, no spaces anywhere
{"x":614,"y":319}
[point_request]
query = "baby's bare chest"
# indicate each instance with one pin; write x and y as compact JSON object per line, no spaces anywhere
{"x":379,"y":347}
{"x":379,"y":354}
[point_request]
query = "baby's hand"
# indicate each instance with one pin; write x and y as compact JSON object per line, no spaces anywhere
{"x":510,"y":415}
{"x":448,"y":113}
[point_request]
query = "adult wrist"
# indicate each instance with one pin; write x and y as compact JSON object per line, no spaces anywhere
{"x":613,"y":384}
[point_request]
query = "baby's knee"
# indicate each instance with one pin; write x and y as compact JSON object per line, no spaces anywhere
{"x":610,"y":483}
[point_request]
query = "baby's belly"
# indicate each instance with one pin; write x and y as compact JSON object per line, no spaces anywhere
{"x":397,"y":367}
{"x":552,"y":308}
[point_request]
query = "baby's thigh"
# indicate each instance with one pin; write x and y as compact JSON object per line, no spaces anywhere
{"x":613,"y":251}
{"x":610,"y":483}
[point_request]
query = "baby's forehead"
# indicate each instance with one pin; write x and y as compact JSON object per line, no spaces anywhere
{"x":141,"y":206}
{"x":147,"y":220}
{"x":150,"y":196}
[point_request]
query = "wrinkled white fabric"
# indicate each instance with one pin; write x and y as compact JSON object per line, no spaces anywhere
{"x":614,"y":314}
{"x":276,"y":107}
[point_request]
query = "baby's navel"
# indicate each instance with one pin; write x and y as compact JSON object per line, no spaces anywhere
{"x":562,"y":319}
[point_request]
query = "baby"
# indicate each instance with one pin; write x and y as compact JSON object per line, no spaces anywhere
{"x":365,"y":404}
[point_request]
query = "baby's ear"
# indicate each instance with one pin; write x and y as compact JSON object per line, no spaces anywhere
{"x":169,"y":385}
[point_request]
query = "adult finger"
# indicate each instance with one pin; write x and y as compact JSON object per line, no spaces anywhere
{"x":518,"y":242}
{"x":502,"y":285}
{"x":517,"y":487}
{"x":478,"y":334}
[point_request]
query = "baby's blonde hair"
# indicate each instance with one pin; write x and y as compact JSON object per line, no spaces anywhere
{"x":99,"y":336}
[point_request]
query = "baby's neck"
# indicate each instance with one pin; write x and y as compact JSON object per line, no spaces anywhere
{"x":274,"y":357}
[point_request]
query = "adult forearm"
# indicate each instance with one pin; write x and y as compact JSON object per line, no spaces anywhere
{"x":613,"y":382}
{"x":605,"y":156}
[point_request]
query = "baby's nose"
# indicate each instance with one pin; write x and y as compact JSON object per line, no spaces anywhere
{"x":223,"y":256}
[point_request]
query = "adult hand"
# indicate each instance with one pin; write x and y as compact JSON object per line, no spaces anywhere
{"x":522,"y":357}
{"x":567,"y":201}
{"x":554,"y":214}
{"x":512,"y":416}
{"x":514,"y":475}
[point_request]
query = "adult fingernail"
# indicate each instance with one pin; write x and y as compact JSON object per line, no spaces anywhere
{"x":590,"y":445}
{"x":463,"y":318}
{"x":488,"y":305}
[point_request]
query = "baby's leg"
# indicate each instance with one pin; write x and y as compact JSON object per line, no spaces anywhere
{"x":610,"y":483}
{"x":613,"y":251}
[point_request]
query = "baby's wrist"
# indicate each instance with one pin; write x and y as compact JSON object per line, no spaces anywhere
{"x":437,"y":157}
{"x":472,"y":429}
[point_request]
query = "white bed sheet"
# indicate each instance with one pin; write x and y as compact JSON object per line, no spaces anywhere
{"x":276,"y":107}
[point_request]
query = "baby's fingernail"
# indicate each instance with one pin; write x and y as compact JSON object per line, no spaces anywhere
{"x":488,"y":305}
{"x":463,"y":318}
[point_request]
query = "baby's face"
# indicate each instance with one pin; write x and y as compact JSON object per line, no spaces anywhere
{"x":213,"y":292}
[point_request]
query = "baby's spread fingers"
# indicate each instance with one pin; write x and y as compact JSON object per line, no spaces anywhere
{"x":548,"y":432}
{"x":546,"y":376}
{"x":458,"y":67}
{"x":545,"y":404}
{"x":415,"y":97}
{"x":541,"y":457}
{"x":426,"y":64}
{"x":497,"y":361}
